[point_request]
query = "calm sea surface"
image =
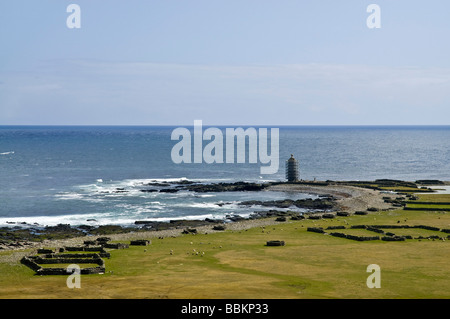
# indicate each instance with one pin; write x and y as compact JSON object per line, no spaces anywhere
{"x":51,"y":175}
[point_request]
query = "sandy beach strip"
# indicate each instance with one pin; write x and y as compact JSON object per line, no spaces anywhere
{"x":349,"y":198}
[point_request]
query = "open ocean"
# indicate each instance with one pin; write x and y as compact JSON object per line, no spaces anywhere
{"x":94,"y":175}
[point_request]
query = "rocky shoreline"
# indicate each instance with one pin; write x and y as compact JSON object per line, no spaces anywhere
{"x":24,"y":237}
{"x":333,"y":197}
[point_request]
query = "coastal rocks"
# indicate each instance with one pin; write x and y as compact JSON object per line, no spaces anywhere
{"x":276,"y":213}
{"x":204,"y":188}
{"x":175,"y":224}
{"x":226,"y":187}
{"x":316,"y":204}
{"x":148,"y":190}
{"x":169,"y":190}
{"x":430,"y":182}
{"x":234,"y":218}
{"x":189,"y":231}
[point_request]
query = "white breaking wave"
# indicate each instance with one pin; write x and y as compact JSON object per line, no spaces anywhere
{"x":200,"y":205}
{"x":7,"y":153}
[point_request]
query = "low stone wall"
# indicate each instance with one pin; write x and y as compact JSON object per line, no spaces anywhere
{"x":376,"y":230}
{"x":48,"y":256}
{"x":343,"y":214}
{"x":353,"y":237}
{"x":275,"y":243}
{"x":389,"y":236}
{"x":100,"y":249}
{"x":63,"y":260}
{"x":140,"y":242}
{"x":63,"y":271}
{"x":358,"y":226}
{"x":316,"y":230}
{"x":44,"y":251}
{"x":116,"y":245}
{"x":428,"y":227}
{"x":393,"y":238}
{"x":335,"y":227}
{"x":27,"y":261}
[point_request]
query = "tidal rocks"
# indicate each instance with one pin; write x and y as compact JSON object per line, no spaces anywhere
{"x":226,"y":187}
{"x":148,"y":190}
{"x":189,"y":231}
{"x":316,"y":204}
{"x":169,"y":190}
{"x":234,"y":218}
{"x":430,"y":182}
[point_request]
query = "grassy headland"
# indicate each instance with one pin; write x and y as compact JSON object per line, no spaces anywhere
{"x":236,"y":263}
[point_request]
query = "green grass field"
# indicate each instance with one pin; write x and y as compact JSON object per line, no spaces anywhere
{"x":434,"y":198}
{"x":428,"y":206}
{"x":237,"y":264}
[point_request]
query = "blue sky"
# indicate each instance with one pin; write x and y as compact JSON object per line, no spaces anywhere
{"x":244,"y":62}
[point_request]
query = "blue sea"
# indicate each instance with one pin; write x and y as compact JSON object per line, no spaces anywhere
{"x":94,"y":175}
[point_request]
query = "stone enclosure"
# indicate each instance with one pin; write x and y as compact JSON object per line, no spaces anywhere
{"x":91,"y":253}
{"x":382,"y":232}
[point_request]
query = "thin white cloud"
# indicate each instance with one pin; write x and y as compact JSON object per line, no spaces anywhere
{"x":90,"y":92}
